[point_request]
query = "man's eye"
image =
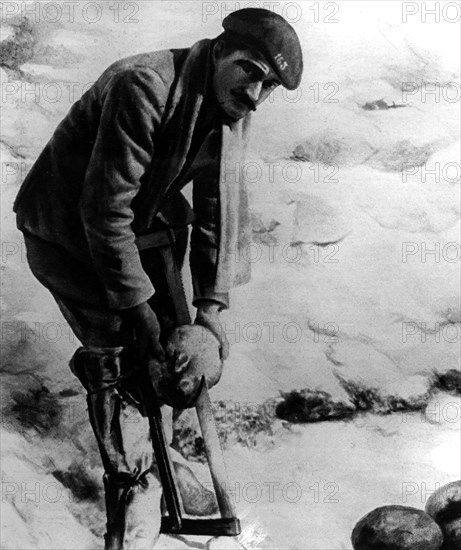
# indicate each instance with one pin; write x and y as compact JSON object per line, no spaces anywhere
{"x":270,"y":84}
{"x":248,"y":68}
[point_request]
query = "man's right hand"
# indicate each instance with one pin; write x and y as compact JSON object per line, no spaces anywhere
{"x":147,"y":331}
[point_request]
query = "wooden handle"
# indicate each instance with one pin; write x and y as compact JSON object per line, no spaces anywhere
{"x":214,"y":452}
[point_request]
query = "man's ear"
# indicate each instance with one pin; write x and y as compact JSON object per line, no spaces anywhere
{"x":218,"y":49}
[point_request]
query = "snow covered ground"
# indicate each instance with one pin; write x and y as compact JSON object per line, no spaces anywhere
{"x":355,"y":190}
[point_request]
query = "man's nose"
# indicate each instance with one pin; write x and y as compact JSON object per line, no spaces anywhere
{"x":254,"y":90}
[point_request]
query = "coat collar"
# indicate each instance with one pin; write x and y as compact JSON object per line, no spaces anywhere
{"x":193,"y":83}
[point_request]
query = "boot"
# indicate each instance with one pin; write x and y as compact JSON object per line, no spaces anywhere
{"x":133,"y":516}
{"x":131,"y":484}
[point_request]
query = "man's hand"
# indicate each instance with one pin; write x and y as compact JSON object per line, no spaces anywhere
{"x":208,"y":317}
{"x":147,"y":331}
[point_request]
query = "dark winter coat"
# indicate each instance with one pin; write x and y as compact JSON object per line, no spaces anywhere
{"x":118,"y":161}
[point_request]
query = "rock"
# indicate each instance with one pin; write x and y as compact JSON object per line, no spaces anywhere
{"x":319,"y":222}
{"x":201,"y":346}
{"x":311,"y":406}
{"x":381,"y":105}
{"x":401,"y":154}
{"x":396,"y":528}
{"x":444,"y":409}
{"x":263,"y":230}
{"x":333,"y":149}
{"x":444,"y":505}
{"x":3,"y":77}
{"x":197,"y":499}
{"x":452,"y":534}
{"x":449,"y":381}
{"x":192,"y":351}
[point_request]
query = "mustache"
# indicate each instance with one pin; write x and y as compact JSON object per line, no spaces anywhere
{"x":246,"y":100}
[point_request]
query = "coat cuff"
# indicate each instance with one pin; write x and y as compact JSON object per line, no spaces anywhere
{"x":208,"y":295}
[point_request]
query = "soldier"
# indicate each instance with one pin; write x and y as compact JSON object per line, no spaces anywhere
{"x":113,"y":171}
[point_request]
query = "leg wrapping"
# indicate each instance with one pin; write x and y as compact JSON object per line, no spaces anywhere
{"x":131,"y":483}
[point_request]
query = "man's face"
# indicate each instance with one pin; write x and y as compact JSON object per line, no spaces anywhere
{"x":242,"y":80}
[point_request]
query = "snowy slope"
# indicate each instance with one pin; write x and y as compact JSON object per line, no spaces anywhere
{"x":344,"y":286}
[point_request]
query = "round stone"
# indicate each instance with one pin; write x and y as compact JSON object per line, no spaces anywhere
{"x":223,"y":543}
{"x":396,"y":528}
{"x":201,"y":346}
{"x":193,"y":352}
{"x":444,"y":505}
{"x":451,"y":531}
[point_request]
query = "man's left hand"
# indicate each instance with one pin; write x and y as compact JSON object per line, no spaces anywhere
{"x":208,"y":317}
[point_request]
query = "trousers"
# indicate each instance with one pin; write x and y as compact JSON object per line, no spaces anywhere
{"x":106,"y":366}
{"x":77,"y":290}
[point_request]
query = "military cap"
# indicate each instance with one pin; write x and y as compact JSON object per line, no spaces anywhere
{"x":274,"y":37}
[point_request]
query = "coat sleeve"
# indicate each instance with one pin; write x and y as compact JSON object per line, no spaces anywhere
{"x":122,"y":152}
{"x":205,"y":235}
